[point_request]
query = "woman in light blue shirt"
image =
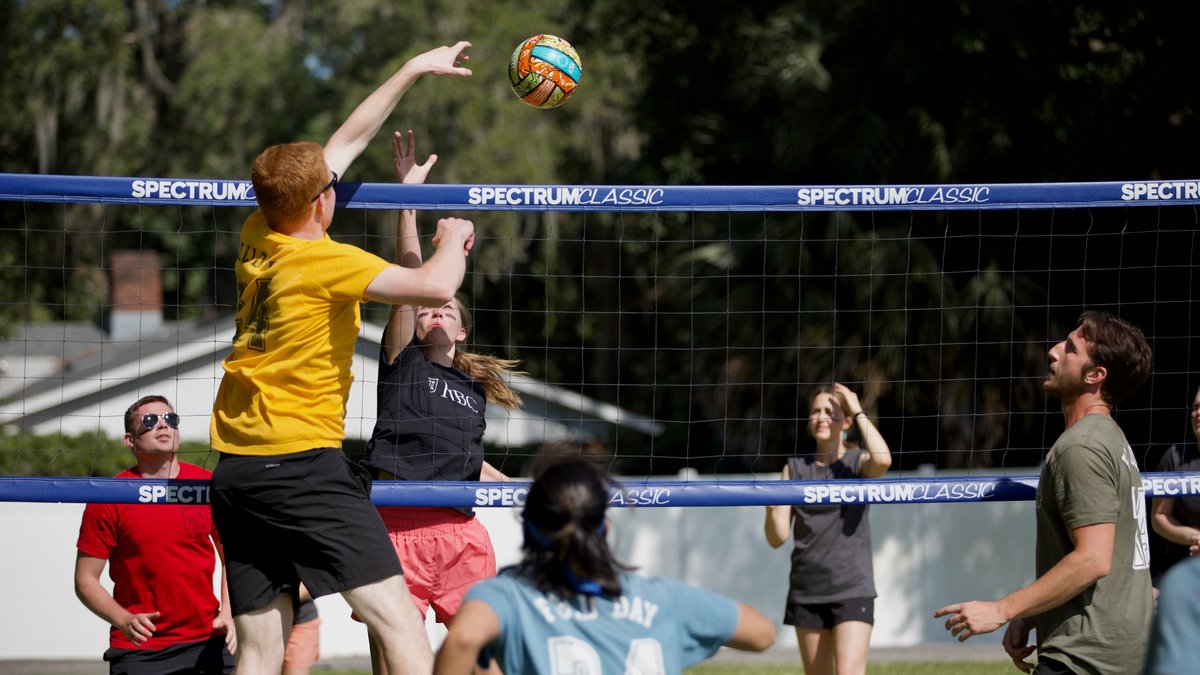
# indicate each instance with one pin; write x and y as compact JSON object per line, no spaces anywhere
{"x":570,"y":606}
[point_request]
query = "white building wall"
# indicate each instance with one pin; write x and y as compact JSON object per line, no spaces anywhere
{"x":925,"y":556}
{"x":192,"y":394}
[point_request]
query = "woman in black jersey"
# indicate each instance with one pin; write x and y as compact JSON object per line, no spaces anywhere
{"x":831,"y":595}
{"x":432,"y":396}
{"x":1177,"y":519}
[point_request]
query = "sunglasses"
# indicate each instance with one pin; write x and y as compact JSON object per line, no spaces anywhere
{"x":331,"y":184}
{"x":150,"y":420}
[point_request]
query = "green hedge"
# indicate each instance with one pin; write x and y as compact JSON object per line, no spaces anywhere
{"x":94,"y":454}
{"x":90,"y":454}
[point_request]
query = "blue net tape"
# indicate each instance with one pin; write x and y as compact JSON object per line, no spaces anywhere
{"x":654,"y":493}
{"x":214,"y":192}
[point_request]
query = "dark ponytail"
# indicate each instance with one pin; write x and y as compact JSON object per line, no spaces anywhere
{"x":565,"y":550}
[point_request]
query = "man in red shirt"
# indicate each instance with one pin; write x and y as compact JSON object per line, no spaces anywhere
{"x":164,"y":615}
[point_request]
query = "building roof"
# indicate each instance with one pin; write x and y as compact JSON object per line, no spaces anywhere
{"x":72,"y":377}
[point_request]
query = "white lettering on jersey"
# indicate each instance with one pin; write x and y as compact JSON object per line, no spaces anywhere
{"x":544,"y":607}
{"x":1128,"y":458}
{"x":459,"y":398}
{"x":553,"y":609}
{"x":571,"y":656}
{"x":635,"y":609}
{"x":645,"y":657}
{"x":1141,"y":542}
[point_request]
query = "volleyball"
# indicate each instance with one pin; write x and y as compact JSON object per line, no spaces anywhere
{"x":545,"y":71}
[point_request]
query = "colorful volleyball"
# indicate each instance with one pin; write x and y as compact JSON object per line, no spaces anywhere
{"x":545,"y":71}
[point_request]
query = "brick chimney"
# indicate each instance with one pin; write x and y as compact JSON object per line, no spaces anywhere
{"x":136,"y":283}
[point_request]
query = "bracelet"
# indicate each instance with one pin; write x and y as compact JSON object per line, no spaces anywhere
{"x":859,"y":413}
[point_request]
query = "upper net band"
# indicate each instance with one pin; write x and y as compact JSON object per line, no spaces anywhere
{"x":198,"y":191}
{"x":675,"y":326}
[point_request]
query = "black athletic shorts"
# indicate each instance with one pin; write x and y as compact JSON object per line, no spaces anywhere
{"x":305,"y":516}
{"x":828,"y":614}
{"x":207,"y":657}
{"x":1050,"y":667}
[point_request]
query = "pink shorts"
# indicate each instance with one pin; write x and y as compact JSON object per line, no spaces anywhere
{"x":303,"y":645}
{"x":443,"y":553}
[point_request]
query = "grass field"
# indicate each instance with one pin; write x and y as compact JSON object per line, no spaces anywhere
{"x":895,"y":668}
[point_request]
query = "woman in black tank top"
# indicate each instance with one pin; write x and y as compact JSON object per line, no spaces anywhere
{"x":432,"y":398}
{"x":831,"y":595}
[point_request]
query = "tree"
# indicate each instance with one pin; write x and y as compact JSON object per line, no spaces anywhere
{"x":717,"y":322}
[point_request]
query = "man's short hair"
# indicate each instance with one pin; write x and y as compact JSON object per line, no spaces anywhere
{"x":131,"y":416}
{"x":1121,"y":348}
{"x":286,"y":177}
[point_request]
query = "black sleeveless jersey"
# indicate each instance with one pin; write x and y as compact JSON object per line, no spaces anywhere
{"x":430,"y":421}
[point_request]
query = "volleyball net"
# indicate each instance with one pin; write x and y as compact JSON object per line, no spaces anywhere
{"x":663,"y":329}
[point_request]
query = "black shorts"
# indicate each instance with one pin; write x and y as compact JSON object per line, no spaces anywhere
{"x":207,"y":657}
{"x":1051,"y":667}
{"x":305,"y":516}
{"x":825,"y":615}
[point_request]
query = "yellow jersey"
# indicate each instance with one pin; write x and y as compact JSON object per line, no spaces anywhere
{"x":288,"y":378}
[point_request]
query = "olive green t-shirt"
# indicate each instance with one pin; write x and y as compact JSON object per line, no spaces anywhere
{"x":1090,"y":477}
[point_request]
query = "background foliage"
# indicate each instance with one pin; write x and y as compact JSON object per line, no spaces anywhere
{"x":773,"y":92}
{"x":83,"y":455}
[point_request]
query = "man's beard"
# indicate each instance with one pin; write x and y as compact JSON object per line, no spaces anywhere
{"x":1064,"y":389}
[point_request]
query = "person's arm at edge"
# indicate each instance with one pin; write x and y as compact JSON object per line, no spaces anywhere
{"x":402,"y":318}
{"x":349,"y":141}
{"x":779,"y":518}
{"x":475,"y":625}
{"x":490,"y":474}
{"x":1167,"y":526}
{"x":434,"y":283}
{"x":225,"y":614}
{"x":137,"y":627}
{"x":879,"y":455}
{"x":1087,"y":563}
{"x":1016,"y":643}
{"x":754,"y":632}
